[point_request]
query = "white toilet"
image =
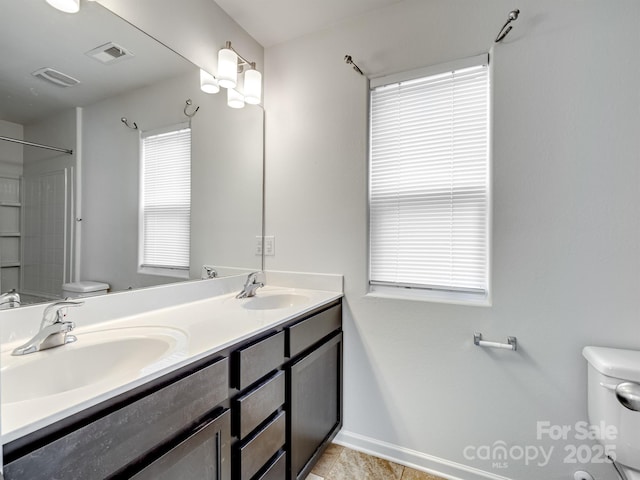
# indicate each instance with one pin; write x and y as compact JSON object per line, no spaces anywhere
{"x":614,"y":380}
{"x":84,"y":289}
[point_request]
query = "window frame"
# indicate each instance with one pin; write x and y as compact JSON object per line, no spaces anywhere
{"x":150,"y":269}
{"x":425,"y":293}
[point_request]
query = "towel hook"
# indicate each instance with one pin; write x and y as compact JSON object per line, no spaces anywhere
{"x":506,"y":28}
{"x":126,"y":122}
{"x":188,"y":103}
{"x":349,"y":61}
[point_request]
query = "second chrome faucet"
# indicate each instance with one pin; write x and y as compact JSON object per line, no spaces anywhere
{"x":250,"y":286}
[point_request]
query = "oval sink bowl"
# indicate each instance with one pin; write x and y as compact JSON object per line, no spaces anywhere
{"x":272,"y":302}
{"x":95,"y":358}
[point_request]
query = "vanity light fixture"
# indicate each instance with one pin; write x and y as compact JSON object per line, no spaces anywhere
{"x":67,"y":6}
{"x":227,"y":67}
{"x":235,"y":99}
{"x":235,"y":96}
{"x":208,"y":83}
{"x":252,"y":86}
{"x":240,"y":77}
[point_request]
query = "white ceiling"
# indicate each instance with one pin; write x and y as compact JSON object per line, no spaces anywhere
{"x":274,"y":21}
{"x":34,"y":35}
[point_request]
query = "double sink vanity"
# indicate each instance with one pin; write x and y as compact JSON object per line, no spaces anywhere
{"x":214,"y":388}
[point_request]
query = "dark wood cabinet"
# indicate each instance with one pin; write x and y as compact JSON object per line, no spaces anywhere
{"x":290,"y":384}
{"x":315,"y":413}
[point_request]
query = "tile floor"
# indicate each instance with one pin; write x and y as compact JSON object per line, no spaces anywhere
{"x":341,"y":463}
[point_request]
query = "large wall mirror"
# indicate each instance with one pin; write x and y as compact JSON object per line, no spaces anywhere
{"x":75,"y":216}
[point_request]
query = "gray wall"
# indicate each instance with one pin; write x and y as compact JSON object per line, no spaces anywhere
{"x":566,"y":222}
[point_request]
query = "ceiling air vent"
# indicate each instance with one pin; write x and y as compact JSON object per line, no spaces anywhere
{"x":109,"y":53}
{"x":55,"y":77}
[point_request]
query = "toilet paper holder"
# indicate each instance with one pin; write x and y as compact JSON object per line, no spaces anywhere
{"x":512,"y":342}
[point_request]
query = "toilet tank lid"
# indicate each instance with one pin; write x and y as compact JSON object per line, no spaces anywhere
{"x":85,"y":286}
{"x":614,"y":362}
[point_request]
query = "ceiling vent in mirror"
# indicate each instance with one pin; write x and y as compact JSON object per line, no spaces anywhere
{"x":55,"y":77}
{"x":109,"y":53}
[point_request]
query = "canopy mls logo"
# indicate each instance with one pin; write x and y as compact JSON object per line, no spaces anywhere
{"x":500,"y":453}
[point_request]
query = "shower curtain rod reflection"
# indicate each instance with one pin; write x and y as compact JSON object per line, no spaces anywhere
{"x":38,"y":145}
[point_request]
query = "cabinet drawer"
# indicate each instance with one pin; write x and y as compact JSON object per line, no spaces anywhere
{"x":254,"y":407}
{"x":115,"y":440}
{"x":277,"y":470}
{"x":307,"y":332}
{"x":256,"y":452}
{"x":253,"y":362}
{"x":204,"y":455}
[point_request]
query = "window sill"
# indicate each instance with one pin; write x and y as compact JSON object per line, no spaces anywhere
{"x":434,"y":296}
{"x":164,"y":272}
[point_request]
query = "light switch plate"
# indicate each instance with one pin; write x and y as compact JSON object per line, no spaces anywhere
{"x":269,"y":245}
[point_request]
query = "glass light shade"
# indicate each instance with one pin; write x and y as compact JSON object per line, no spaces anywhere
{"x":208,"y":83}
{"x":227,"y":68}
{"x":67,"y":6}
{"x":252,"y":87}
{"x":234,"y":98}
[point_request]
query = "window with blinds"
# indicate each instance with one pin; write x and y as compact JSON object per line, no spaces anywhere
{"x":165,"y":201}
{"x":429,"y":179}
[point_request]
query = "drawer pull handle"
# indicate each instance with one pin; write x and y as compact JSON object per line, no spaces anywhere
{"x":218,"y":455}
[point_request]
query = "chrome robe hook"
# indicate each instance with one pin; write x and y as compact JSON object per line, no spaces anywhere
{"x":506,"y":28}
{"x":126,"y":122}
{"x":188,"y":103}
{"x":349,"y":61}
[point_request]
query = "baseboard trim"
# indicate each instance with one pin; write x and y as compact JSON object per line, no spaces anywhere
{"x":412,"y":458}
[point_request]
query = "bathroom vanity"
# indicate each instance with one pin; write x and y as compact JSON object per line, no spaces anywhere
{"x":262,"y":407}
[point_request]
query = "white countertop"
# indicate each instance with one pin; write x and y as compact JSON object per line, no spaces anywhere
{"x":197,"y":329}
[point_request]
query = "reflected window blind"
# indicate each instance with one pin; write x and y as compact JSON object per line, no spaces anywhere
{"x":166,"y":199}
{"x":429,"y":181}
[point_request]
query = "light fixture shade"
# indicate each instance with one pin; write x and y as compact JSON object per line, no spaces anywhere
{"x":208,"y":83}
{"x":67,"y":6}
{"x":234,"y":98}
{"x":252,"y":87}
{"x":227,"y":68}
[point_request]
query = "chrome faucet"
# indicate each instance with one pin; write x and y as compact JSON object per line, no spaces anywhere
{"x":54,"y":331}
{"x":250,"y":286}
{"x":10,"y":299}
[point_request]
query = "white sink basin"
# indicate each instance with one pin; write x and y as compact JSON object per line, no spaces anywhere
{"x":275,"y":301}
{"x":98,"y":357}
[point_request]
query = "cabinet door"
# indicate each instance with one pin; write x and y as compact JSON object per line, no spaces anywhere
{"x":315,"y":409}
{"x":204,"y":455}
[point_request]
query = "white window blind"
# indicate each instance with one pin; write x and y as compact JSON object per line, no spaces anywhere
{"x":429,"y":198}
{"x":166,"y":199}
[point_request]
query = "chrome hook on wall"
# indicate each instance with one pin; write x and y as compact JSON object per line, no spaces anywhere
{"x":126,"y":122}
{"x":188,"y":103}
{"x":506,"y":28}
{"x":349,"y":61}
